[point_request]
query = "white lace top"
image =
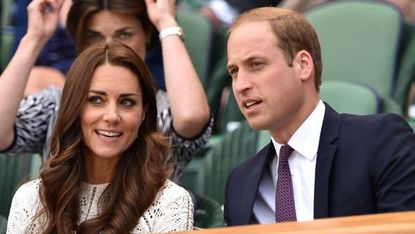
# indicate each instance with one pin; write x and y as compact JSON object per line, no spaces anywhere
{"x":172,"y":209}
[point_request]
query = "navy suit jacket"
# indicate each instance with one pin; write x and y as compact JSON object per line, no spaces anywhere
{"x":365,"y":164}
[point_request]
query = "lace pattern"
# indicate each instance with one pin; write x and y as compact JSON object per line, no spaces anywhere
{"x":171,"y":211}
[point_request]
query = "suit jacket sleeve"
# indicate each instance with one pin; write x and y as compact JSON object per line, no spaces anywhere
{"x":393,"y":165}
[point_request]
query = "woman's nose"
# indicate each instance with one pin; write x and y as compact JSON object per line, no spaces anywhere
{"x":111,"y":114}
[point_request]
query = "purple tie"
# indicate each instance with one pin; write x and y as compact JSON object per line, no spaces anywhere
{"x":284,"y":197}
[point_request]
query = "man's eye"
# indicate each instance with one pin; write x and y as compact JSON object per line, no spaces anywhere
{"x":233,"y":71}
{"x":256,"y":65}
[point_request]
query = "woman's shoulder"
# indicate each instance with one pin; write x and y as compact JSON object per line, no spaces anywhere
{"x":29,"y":188}
{"x":27,"y":193}
{"x":171,"y":210}
{"x":172,"y":189}
{"x":170,"y":193}
{"x":24,"y":207}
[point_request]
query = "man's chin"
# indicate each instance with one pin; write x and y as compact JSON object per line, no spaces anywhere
{"x":256,"y":124}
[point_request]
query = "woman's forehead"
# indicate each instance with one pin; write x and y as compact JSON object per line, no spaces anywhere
{"x":108,"y":20}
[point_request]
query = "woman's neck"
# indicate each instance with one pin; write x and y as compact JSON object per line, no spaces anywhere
{"x":98,"y":170}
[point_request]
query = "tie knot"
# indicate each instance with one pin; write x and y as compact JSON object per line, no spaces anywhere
{"x":285,"y":152}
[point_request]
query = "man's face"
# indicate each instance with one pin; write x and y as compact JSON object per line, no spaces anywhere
{"x":268,"y":91}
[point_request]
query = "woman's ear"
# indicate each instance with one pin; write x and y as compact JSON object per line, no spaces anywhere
{"x":304,"y":64}
{"x":143,"y":116}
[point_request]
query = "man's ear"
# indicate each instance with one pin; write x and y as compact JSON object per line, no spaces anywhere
{"x":303,"y":62}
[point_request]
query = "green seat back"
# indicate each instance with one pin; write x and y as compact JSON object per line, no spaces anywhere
{"x":208,"y":212}
{"x":232,"y":149}
{"x":230,"y":114}
{"x":6,"y":12}
{"x":406,"y":71}
{"x":219,"y":78}
{"x":349,"y":97}
{"x":7,"y":39}
{"x":193,"y":5}
{"x":3,"y":224}
{"x":14,"y":171}
{"x":359,"y":42}
{"x":6,"y":34}
{"x":264,"y":138}
{"x":198,"y":40}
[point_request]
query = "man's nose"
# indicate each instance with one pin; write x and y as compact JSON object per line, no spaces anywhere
{"x":241,"y":82}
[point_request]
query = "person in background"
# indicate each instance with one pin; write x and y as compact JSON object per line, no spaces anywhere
{"x":223,"y":12}
{"x":319,"y":163}
{"x":56,"y":56}
{"x":407,"y":7}
{"x":107,"y":171}
{"x":183,"y":111}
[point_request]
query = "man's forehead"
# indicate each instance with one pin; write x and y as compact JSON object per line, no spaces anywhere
{"x":250,"y":25}
{"x":251,"y":36}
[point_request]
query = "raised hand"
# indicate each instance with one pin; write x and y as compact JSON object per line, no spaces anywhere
{"x":162,"y":13}
{"x":43,"y":17}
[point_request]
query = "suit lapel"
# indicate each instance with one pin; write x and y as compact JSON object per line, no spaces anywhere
{"x":325,"y":155}
{"x":252,"y":183}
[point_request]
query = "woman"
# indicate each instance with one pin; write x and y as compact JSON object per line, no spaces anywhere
{"x":183,"y":110}
{"x":107,"y":168}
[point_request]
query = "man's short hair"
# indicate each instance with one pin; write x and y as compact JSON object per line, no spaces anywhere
{"x":293,"y":32}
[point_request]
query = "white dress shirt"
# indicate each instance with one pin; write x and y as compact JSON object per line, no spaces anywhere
{"x":302,"y":163}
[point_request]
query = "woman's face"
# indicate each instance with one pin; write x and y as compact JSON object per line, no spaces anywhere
{"x":106,"y":26}
{"x":112,"y":114}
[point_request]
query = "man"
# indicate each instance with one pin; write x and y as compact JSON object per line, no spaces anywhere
{"x":340,"y":164}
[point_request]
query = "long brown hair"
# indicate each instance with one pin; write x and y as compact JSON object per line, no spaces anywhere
{"x":292,"y":31}
{"x":140,"y":173}
{"x":82,"y":10}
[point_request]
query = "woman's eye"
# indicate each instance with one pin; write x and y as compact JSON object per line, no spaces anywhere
{"x":93,"y":37}
{"x":95,"y":100}
{"x":128,"y":103}
{"x":125,"y":35}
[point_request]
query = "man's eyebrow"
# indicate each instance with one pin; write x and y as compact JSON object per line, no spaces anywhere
{"x":230,"y":65}
{"x":246,"y":60}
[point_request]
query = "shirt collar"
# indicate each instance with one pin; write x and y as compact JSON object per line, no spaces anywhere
{"x":306,"y":138}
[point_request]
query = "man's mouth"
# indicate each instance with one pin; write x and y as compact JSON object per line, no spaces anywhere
{"x":251,"y":103}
